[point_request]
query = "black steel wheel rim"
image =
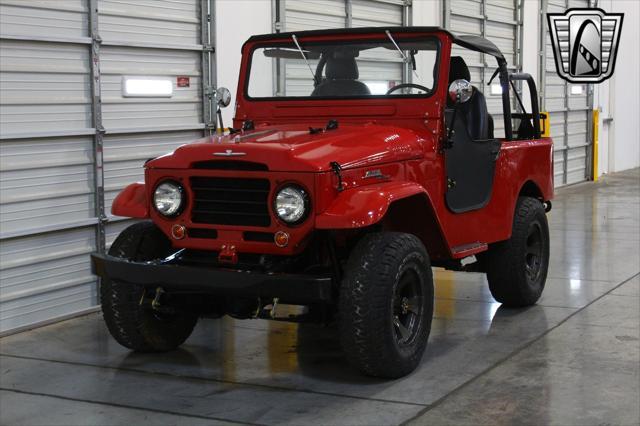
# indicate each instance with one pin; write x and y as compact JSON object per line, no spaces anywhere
{"x":407,"y":307}
{"x":534,"y":252}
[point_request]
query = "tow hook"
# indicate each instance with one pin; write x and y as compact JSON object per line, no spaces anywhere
{"x":228,"y":254}
{"x":337,"y":169}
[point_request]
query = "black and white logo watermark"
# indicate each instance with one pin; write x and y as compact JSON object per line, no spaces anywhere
{"x":585,"y":43}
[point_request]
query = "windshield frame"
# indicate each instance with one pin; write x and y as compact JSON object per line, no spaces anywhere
{"x":400,"y":38}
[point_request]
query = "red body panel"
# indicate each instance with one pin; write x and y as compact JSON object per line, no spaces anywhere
{"x":399,"y":139}
{"x":132,"y":202}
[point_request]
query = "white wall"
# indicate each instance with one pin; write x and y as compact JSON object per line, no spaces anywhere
{"x":236,"y":21}
{"x":623,"y":151}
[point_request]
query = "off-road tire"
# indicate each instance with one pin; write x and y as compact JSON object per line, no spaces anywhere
{"x":508,"y":261}
{"x":373,"y":273}
{"x":133,"y":325}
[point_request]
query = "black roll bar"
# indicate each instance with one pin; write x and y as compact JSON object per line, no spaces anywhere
{"x":506,"y":100}
{"x":535,"y":109}
{"x":505,"y":79}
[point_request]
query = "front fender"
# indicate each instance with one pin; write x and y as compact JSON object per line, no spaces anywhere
{"x":132,"y":202}
{"x":366,"y":205}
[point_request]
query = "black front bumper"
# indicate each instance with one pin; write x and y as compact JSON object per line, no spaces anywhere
{"x":291,"y":288}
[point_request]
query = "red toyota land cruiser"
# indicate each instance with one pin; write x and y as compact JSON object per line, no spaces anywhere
{"x":359,"y":159}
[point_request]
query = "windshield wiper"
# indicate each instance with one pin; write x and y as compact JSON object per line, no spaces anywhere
{"x":313,"y":75}
{"x":404,"y":57}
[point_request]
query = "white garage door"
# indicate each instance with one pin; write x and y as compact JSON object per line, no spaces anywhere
{"x":300,"y":15}
{"x":499,"y":21}
{"x":569,"y":106}
{"x":70,"y":140}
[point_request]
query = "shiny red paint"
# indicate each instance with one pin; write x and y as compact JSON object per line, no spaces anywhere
{"x":131,"y":202}
{"x":397,"y":140}
{"x":292,"y":148}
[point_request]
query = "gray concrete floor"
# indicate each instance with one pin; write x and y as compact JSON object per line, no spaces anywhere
{"x":574,"y":358}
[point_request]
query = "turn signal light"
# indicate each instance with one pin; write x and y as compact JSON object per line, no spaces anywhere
{"x":178,"y":232}
{"x":281,"y":239}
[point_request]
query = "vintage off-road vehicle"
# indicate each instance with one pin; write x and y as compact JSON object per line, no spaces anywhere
{"x":359,"y":159}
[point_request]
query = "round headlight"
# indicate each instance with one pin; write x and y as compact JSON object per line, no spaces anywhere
{"x":168,"y":198}
{"x":292,"y":204}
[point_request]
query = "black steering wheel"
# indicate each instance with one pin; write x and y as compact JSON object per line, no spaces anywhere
{"x":405,"y":85}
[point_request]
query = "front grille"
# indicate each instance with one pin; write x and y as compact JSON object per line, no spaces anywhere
{"x":263,"y":237}
{"x":230,"y":201}
{"x":210,"y":234}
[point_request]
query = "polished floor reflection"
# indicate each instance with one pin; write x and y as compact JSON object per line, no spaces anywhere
{"x":572,"y":359}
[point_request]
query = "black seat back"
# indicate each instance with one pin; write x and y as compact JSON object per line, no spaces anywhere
{"x":474,"y":112}
{"x":342,"y":74}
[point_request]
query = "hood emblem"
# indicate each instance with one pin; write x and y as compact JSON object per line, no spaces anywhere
{"x":229,"y":153}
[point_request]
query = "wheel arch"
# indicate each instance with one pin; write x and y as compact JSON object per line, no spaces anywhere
{"x":531,"y":189}
{"x":425,"y":224}
{"x":388,"y":205}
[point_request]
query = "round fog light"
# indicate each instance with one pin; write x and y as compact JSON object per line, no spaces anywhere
{"x":178,"y":232}
{"x":281,"y":239}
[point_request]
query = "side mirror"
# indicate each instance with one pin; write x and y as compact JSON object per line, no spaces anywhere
{"x":460,"y":91}
{"x":223,"y":97}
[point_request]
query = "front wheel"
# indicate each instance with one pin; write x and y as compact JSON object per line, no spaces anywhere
{"x":517,"y":268}
{"x":133,"y":324}
{"x":386,"y":304}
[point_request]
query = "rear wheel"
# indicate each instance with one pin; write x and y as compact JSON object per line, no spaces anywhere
{"x":386,"y":304}
{"x":132,"y":323}
{"x":517,"y":268}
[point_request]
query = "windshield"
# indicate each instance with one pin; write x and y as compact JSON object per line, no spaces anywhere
{"x":345,"y":69}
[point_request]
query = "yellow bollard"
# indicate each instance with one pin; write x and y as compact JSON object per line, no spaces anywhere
{"x":545,"y":124}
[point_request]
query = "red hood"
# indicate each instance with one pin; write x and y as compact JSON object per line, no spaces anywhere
{"x":292,"y":148}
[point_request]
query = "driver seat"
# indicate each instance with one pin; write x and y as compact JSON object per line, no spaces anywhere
{"x":474,"y":112}
{"x":342,"y":75}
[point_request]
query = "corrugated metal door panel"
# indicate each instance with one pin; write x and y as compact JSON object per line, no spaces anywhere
{"x":44,"y":18}
{"x":182,"y":110}
{"x":126,"y":154}
{"x":570,"y":112}
{"x":46,"y":162}
{"x":47,"y":137}
{"x":47,"y":80}
{"x":368,"y":13}
{"x":303,"y":15}
{"x":158,"y":22}
{"x":45,"y":276}
{"x":45,"y":306}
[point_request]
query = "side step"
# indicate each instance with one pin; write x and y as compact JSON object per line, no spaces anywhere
{"x":466,"y":250}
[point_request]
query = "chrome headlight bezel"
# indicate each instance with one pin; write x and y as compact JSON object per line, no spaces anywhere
{"x":182,"y":198}
{"x":301,"y":195}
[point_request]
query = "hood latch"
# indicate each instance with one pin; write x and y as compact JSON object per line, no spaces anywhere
{"x":337,"y":169}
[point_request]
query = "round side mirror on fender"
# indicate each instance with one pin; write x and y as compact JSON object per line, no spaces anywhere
{"x":460,"y":91}
{"x":223,"y":97}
